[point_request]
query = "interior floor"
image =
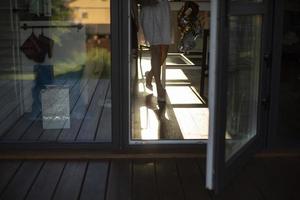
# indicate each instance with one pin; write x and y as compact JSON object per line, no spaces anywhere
{"x":184,"y":115}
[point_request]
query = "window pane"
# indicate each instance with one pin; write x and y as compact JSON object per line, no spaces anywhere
{"x":243,"y":80}
{"x":56,"y":71}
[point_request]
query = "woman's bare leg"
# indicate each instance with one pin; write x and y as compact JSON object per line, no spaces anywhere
{"x":155,"y":65}
{"x":163,"y":55}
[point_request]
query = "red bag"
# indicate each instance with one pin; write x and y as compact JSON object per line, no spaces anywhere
{"x":32,"y":49}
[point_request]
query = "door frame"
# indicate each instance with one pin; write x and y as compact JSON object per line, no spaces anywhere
{"x":198,"y":146}
{"x":220,"y":171}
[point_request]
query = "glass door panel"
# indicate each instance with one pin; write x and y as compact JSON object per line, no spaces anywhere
{"x":57,"y":78}
{"x":243,"y":80}
{"x":183,"y":116}
{"x":238,"y":85}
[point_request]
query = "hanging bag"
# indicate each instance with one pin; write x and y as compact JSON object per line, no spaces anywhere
{"x":31,"y":47}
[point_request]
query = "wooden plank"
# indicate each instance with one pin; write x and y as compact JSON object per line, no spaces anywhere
{"x":26,"y":125}
{"x":295,"y":176}
{"x":19,"y":128}
{"x":144,"y":181}
{"x":7,"y":171}
{"x":22,"y":181}
{"x":240,"y":188}
{"x":282,"y":177}
{"x":75,"y":93}
{"x":202,"y":165}
{"x":9,"y":106}
{"x":89,"y":126}
{"x":104,"y":131}
{"x":10,"y":121}
{"x":3,"y":84}
{"x":256,"y":171}
{"x":7,"y":93}
{"x":168,"y":182}
{"x":9,"y":102}
{"x":47,"y":180}
{"x":79,"y":111}
{"x":119,"y":184}
{"x":192,"y":179}
{"x":16,"y":131}
{"x":95,"y":181}
{"x":71,"y":181}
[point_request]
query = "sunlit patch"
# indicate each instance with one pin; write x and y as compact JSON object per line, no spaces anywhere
{"x":141,"y":87}
{"x":143,"y":116}
{"x":167,"y":116}
{"x":197,"y":93}
{"x":86,"y":12}
{"x":149,"y":124}
{"x":193,"y":122}
{"x":228,"y":136}
{"x":12,"y":76}
{"x":175,"y":74}
{"x":182,"y":95}
{"x":145,"y":66}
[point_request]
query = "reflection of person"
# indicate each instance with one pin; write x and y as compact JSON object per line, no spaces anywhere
{"x":156,"y":24}
{"x":160,"y":112}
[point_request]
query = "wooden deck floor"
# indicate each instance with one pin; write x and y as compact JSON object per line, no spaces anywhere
{"x":90,"y":113}
{"x":162,"y":179}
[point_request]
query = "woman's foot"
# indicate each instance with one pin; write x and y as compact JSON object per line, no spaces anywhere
{"x":148,"y":80}
{"x":161,"y":95}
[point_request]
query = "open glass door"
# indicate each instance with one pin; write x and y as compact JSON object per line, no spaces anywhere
{"x":238,"y":85}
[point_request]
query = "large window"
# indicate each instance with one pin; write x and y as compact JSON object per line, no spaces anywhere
{"x":55,"y":71}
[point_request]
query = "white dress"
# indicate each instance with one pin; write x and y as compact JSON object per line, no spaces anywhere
{"x":156,"y":23}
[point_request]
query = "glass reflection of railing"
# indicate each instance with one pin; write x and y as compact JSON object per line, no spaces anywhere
{"x":78,"y":26}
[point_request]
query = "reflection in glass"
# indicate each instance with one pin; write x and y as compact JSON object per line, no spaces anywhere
{"x":243,"y":80}
{"x":56,"y":77}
